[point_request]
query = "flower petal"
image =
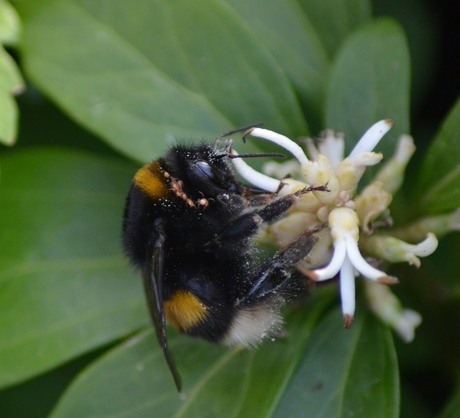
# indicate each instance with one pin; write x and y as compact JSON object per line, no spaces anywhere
{"x":426,"y":247}
{"x":392,"y":173}
{"x":440,"y":225}
{"x":406,"y":323}
{"x":395,"y":250}
{"x":330,"y":144}
{"x":371,"y":203}
{"x":320,"y":172}
{"x":352,"y":168}
{"x":389,"y":309}
{"x":281,"y":170}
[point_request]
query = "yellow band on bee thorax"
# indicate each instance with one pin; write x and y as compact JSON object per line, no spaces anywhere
{"x":151,"y":180}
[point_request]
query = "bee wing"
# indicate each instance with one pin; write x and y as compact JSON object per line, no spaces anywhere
{"x":153,"y":275}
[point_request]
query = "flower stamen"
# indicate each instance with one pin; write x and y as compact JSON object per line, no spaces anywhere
{"x":281,"y":140}
{"x":255,"y":177}
{"x":372,"y":137}
{"x":352,"y":218}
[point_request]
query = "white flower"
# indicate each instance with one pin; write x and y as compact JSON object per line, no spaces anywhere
{"x":395,"y":250}
{"x":389,"y":310}
{"x":352,"y":218}
{"x":343,"y":223}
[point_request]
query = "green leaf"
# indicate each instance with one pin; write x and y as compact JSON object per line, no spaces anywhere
{"x":133,"y":380}
{"x":291,"y":37}
{"x":452,"y":410}
{"x":10,"y":25}
{"x":11,"y":83}
{"x":370,"y":82}
{"x":64,"y":286}
{"x":333,"y":20}
{"x":438,"y":185}
{"x":146,"y":73}
{"x":304,"y":36}
{"x":345,"y":373}
{"x":218,"y":381}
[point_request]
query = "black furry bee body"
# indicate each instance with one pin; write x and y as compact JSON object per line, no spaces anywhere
{"x":188,"y":226}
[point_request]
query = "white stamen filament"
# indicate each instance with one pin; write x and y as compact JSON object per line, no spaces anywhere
{"x":338,"y":258}
{"x":254,"y":177}
{"x":282,"y":141}
{"x":347,"y":288}
{"x":361,"y":264}
{"x":372,"y":137}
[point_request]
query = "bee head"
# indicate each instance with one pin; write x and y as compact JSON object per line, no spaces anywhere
{"x":202,"y":169}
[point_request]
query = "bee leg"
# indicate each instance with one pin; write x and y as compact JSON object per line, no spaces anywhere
{"x":277,"y":276}
{"x":247,"y":225}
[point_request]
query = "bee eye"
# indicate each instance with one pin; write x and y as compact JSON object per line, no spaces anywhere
{"x":204,"y":168}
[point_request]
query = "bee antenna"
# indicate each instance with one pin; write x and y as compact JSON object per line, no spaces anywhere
{"x":257,"y":155}
{"x":240,"y":129}
{"x":250,"y":155}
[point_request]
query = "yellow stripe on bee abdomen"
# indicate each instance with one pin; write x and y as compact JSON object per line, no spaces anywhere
{"x":184,"y":310}
{"x":151,"y":181}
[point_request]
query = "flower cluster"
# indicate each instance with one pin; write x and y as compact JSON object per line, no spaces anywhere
{"x":357,"y":222}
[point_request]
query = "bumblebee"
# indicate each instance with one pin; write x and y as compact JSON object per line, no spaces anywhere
{"x":188,"y":226}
